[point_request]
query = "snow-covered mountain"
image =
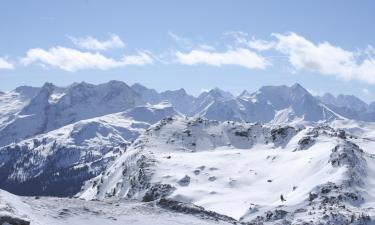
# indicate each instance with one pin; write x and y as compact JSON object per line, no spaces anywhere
{"x":11,"y":103}
{"x":17,"y":210}
{"x":57,"y":162}
{"x":349,"y":106}
{"x":51,"y":109}
{"x":240,"y":170}
{"x":277,"y":104}
{"x":278,"y":155}
{"x":349,"y":101}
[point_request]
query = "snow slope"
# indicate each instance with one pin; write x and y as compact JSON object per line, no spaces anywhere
{"x":51,"y":109}
{"x":11,"y":103}
{"x":126,"y":145}
{"x":57,"y":162}
{"x":238,"y":169}
{"x":58,"y":211}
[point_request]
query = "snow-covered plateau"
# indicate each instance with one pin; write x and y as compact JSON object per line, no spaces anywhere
{"x":119,"y":154}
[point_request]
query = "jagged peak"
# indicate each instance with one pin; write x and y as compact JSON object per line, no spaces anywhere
{"x":139,"y":86}
{"x":180,"y":91}
{"x":117,"y":83}
{"x":26,"y":90}
{"x":244,"y":94}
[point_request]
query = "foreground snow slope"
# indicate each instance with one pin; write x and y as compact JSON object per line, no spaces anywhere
{"x":41,"y":211}
{"x":56,"y":163}
{"x":240,"y":169}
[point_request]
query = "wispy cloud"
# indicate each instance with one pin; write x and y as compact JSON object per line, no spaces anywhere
{"x":180,"y":39}
{"x":260,"y":45}
{"x":242,"y":38}
{"x":92,"y":43}
{"x":325,"y":58}
{"x":239,"y":57}
{"x":73,"y":60}
{"x":366,"y":91}
{"x":5,"y":64}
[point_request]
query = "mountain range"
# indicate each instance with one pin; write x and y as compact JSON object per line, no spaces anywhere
{"x":275,"y":156}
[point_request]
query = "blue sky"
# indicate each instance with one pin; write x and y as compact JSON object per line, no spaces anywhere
{"x":197,"y":45}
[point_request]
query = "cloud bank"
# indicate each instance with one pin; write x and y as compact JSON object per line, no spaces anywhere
{"x":303,"y":55}
{"x":239,"y":57}
{"x":72,"y":60}
{"x":325,"y":58}
{"x":91,"y":43}
{"x":5,"y":64}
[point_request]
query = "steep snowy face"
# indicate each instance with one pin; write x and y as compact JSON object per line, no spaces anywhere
{"x":207,"y":99}
{"x":296,"y":98}
{"x":85,"y":101}
{"x":148,"y":95}
{"x":328,"y":98}
{"x":52,"y":108}
{"x":179,"y":99}
{"x":277,"y":104}
{"x":350,"y":107}
{"x":351,"y":101}
{"x":11,"y":103}
{"x":21,"y":210}
{"x":57,"y":162}
{"x":229,"y":167}
{"x":152,"y":113}
{"x":13,"y":210}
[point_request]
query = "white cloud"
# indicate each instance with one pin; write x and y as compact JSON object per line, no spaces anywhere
{"x":91,"y":43}
{"x":5,"y":64}
{"x":72,"y":60}
{"x":325,"y":58}
{"x":240,"y":57}
{"x":241,"y":38}
{"x":260,"y":45}
{"x":179,"y":39}
{"x":366,"y":91}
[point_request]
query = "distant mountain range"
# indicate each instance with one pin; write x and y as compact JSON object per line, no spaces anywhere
{"x":39,"y":110}
{"x":216,"y":150}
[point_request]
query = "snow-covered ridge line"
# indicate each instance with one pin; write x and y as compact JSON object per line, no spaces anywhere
{"x":57,"y":162}
{"x":223,"y":166}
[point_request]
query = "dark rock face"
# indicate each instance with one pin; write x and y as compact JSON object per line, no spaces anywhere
{"x":192,"y":209}
{"x":305,"y":143}
{"x":158,"y":191}
{"x":54,"y":175}
{"x":185,"y":181}
{"x":282,"y":135}
{"x":13,"y":221}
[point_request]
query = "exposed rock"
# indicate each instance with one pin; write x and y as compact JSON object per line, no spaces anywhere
{"x":157,"y":191}
{"x":185,"y":181}
{"x":5,"y":220}
{"x":192,"y":209}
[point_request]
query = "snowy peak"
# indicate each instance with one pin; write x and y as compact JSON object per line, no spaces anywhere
{"x":54,"y":107}
{"x":27,"y":91}
{"x":223,"y":165}
{"x":217,"y":93}
{"x":346,"y":101}
{"x":179,"y":99}
{"x":328,"y":98}
{"x":148,"y":95}
{"x":277,"y":104}
{"x":152,"y":113}
{"x":351,"y":101}
{"x":282,"y":96}
{"x":58,"y":161}
{"x":244,"y":95}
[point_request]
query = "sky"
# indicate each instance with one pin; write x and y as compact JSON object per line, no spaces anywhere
{"x":326,"y":46}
